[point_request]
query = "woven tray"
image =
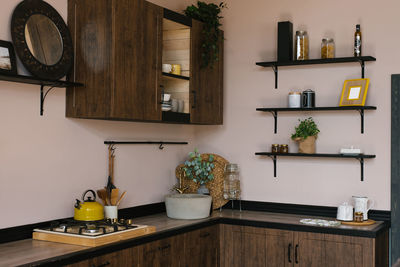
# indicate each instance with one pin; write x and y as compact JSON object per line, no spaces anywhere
{"x":216,"y":186}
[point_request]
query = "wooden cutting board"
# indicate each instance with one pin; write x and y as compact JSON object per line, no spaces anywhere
{"x":364,"y":223}
{"x":92,"y":241}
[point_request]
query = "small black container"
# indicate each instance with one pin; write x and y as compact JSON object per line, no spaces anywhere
{"x":308,"y":99}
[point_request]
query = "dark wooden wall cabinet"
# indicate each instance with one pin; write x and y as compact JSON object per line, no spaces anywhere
{"x":120,"y":47}
{"x":246,"y":246}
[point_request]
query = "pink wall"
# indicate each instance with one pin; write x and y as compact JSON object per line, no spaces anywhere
{"x":47,"y":162}
{"x":250,"y":32}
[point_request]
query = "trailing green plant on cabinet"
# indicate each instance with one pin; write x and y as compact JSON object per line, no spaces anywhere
{"x":141,"y":62}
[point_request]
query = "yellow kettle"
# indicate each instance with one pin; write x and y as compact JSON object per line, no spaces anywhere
{"x":88,"y":210}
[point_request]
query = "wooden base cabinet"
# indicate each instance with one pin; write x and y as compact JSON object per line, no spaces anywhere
{"x":263,"y":247}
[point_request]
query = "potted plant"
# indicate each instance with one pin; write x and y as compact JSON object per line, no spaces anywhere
{"x":306,"y":134}
{"x":209,"y":15}
{"x":199,"y":170}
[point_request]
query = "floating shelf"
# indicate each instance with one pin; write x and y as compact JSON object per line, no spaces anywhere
{"x":174,"y":76}
{"x":42,"y":82}
{"x":359,"y":157}
{"x":275,"y":111}
{"x":276,"y":64}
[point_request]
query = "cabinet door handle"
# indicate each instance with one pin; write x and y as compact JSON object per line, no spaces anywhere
{"x":194,"y":99}
{"x":289,"y":253}
{"x":205,"y":235}
{"x":296,"y":259}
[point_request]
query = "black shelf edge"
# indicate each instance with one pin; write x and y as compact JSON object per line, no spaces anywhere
{"x":177,"y":17}
{"x":316,"y":61}
{"x":144,"y":143}
{"x":317,"y":155}
{"x":170,"y":75}
{"x":318,"y":108}
{"x":36,"y":81}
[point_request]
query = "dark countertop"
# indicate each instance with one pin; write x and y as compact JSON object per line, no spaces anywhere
{"x":33,"y":252}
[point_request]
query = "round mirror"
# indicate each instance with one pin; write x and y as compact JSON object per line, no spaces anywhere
{"x":43,"y":39}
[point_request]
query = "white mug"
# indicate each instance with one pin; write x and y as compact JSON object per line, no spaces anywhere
{"x":167,"y":68}
{"x":294,"y":100}
{"x":345,"y":212}
{"x":111,"y":212}
{"x":361,"y":205}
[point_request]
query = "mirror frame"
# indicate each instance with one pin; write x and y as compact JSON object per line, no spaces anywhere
{"x":20,"y":17}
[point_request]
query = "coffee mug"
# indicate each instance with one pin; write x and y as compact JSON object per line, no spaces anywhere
{"x":167,"y":68}
{"x":174,"y":105}
{"x":176,"y":69}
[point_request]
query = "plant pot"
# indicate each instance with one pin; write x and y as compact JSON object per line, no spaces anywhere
{"x":203,"y":190}
{"x":307,"y":145}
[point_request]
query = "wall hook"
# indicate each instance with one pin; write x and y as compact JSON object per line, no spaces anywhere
{"x":161,"y":147}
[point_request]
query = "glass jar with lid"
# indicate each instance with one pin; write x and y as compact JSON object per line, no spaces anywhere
{"x":231,"y":182}
{"x":302,"y":45}
{"x":327,"y":48}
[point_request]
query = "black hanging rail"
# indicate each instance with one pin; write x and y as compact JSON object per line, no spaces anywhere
{"x":274,"y":112}
{"x":275,"y":64}
{"x":359,"y":157}
{"x":160,"y":143}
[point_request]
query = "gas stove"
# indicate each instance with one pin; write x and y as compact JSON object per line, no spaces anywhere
{"x":93,"y":233}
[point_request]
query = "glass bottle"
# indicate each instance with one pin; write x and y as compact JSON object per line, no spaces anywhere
{"x":327,"y":48}
{"x":302,"y":45}
{"x":231,"y":182}
{"x":357,"y":41}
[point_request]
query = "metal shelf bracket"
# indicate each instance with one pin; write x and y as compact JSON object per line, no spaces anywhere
{"x":361,"y":160}
{"x":43,"y":97}
{"x":274,"y":160}
{"x":362,"y":119}
{"x":275,"y":69}
{"x":275,"y":114}
{"x":362,"y":63}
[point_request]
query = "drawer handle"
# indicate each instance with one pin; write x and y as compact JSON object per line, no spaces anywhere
{"x":165,"y":247}
{"x":296,"y":259}
{"x":205,"y":235}
{"x":289,"y":253}
{"x":102,"y":265}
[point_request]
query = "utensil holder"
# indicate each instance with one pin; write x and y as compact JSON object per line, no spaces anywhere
{"x":111,"y":212}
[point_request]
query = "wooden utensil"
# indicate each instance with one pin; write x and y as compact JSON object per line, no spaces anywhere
{"x":120,"y":198}
{"x":114,"y":196}
{"x":102,"y":193}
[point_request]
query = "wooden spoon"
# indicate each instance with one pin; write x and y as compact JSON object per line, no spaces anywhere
{"x":114,"y":196}
{"x":102,"y":193}
{"x":120,"y":198}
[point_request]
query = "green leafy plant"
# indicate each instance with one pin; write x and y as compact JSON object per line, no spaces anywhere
{"x":305,"y":129}
{"x":209,"y":15}
{"x":197,"y":169}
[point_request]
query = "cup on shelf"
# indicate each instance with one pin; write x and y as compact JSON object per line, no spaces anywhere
{"x":166,"y":97}
{"x":167,"y":68}
{"x":294,"y":100}
{"x":174,"y":105}
{"x":181,"y":105}
{"x":176,"y":69}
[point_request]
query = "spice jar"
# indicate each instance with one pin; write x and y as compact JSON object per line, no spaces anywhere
{"x":302,"y":45}
{"x":284,"y":149}
{"x":275,"y":148}
{"x":358,"y":216}
{"x":231,"y":182}
{"x":327,"y":48}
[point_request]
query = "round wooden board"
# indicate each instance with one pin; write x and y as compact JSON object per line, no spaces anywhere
{"x":216,"y":186}
{"x":364,"y":223}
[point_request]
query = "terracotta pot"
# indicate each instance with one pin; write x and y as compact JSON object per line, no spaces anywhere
{"x":307,"y":145}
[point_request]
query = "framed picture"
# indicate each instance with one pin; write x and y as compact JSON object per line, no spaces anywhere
{"x":8,"y":64}
{"x":354,"y":92}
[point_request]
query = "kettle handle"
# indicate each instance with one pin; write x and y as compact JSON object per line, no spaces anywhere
{"x":87,"y":191}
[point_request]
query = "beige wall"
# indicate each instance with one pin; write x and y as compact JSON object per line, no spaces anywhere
{"x":250,"y":32}
{"x":47,"y":162}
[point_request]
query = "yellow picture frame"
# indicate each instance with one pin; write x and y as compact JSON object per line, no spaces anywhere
{"x":354,"y":92}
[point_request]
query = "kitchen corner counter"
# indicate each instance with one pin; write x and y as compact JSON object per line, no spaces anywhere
{"x":30,"y":252}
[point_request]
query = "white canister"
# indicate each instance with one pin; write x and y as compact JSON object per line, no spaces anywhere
{"x":294,"y":100}
{"x":345,"y":212}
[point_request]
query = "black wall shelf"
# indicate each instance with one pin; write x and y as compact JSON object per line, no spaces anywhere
{"x":160,"y":143}
{"x":359,"y":157}
{"x":275,"y":111}
{"x":276,"y":64}
{"x":42,"y":82}
{"x":174,"y":76}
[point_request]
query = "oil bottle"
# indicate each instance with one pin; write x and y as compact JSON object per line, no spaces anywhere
{"x":357,"y":41}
